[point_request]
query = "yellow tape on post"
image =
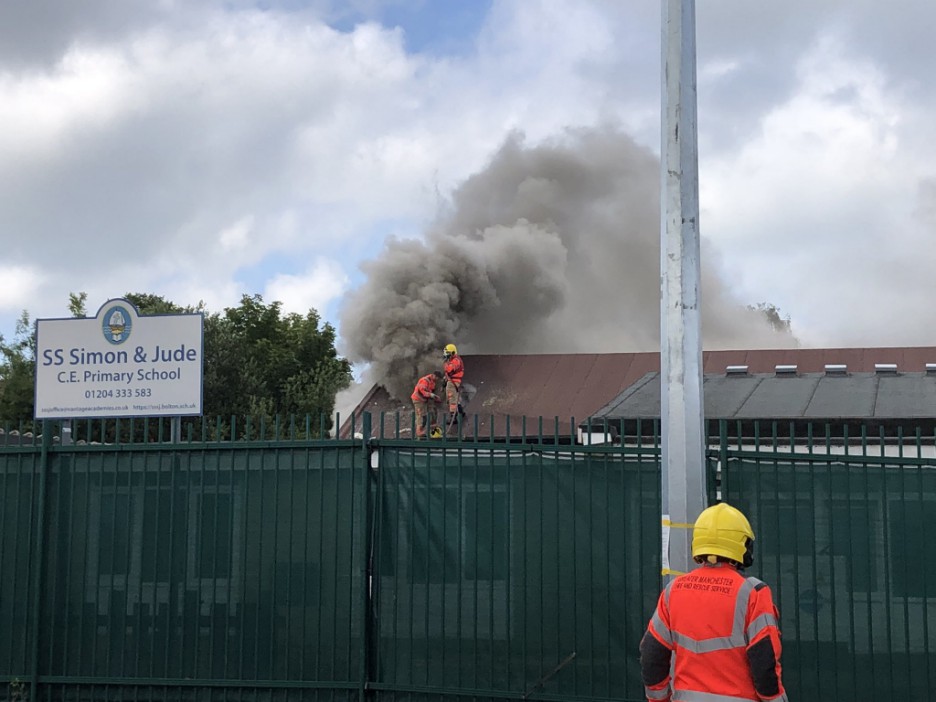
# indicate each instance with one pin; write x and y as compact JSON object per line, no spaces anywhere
{"x":677,"y":525}
{"x":664,"y":561}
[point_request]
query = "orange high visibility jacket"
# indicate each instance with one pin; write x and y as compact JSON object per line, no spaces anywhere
{"x":454,"y":369}
{"x":723,"y":630}
{"x":425,"y":389}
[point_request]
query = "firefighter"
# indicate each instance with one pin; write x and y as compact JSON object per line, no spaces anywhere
{"x":721,"y":627}
{"x":454,"y":369}
{"x":424,"y":399}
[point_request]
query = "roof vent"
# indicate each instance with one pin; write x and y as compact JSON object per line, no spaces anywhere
{"x":836,"y":369}
{"x":785,"y":369}
{"x":735,"y":370}
{"x":931,"y":368}
{"x":885,"y":368}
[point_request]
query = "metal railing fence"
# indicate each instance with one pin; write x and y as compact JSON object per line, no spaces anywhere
{"x":842,"y":518}
{"x":510,"y":567}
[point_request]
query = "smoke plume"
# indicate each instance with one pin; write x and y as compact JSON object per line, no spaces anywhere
{"x":552,"y":248}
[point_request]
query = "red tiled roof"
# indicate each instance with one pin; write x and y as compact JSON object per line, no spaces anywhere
{"x":567,"y":386}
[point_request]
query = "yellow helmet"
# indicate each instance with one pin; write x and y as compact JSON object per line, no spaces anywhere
{"x":722,"y":530}
{"x":450,"y":350}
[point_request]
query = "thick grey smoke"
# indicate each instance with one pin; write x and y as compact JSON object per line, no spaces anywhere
{"x":551,"y":248}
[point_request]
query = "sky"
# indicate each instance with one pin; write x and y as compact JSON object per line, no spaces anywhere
{"x":297,"y":149}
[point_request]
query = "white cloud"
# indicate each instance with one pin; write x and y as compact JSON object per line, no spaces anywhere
{"x":186,"y":148}
{"x":41,"y":112}
{"x":716,"y":69}
{"x":808,"y":210}
{"x":319,"y":285}
{"x":236,"y":237}
{"x":18,"y":287}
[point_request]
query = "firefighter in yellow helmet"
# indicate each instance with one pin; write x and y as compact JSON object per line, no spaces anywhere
{"x":454,"y":369}
{"x":720,"y":627}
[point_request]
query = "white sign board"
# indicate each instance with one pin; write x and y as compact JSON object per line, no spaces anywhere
{"x":119,"y":364}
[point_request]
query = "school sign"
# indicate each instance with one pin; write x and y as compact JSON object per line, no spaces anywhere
{"x":119,"y":364}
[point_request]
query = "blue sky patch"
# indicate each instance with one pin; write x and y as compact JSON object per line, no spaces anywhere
{"x":430,"y":26}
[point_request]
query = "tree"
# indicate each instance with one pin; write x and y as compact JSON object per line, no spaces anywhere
{"x":77,"y":304}
{"x":147,"y":303}
{"x":17,"y":372}
{"x":772,"y":314}
{"x":262,"y":363}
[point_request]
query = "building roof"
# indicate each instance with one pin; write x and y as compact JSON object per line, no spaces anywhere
{"x":787,"y":395}
{"x":565,"y":389}
{"x":559,"y":388}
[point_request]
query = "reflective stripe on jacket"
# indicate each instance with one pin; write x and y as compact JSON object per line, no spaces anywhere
{"x":454,"y":369}
{"x":723,"y":630}
{"x":425,"y":389}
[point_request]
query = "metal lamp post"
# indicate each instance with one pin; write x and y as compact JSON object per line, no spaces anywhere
{"x":683,"y":448}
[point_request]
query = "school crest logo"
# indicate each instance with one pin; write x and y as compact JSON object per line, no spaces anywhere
{"x":117,"y":325}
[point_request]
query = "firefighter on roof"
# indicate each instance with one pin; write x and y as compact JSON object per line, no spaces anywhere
{"x":424,"y":399}
{"x":454,"y":369}
{"x":715,"y":633}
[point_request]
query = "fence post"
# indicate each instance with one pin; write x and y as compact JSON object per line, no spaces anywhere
{"x":721,"y":482}
{"x":367,"y":546}
{"x":38,"y":584}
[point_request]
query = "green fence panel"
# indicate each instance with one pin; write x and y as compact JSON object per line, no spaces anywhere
{"x":497,"y":566}
{"x":188,"y":691}
{"x":331,"y":570}
{"x":19,"y":492}
{"x":205,"y":565}
{"x":843,"y":542}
